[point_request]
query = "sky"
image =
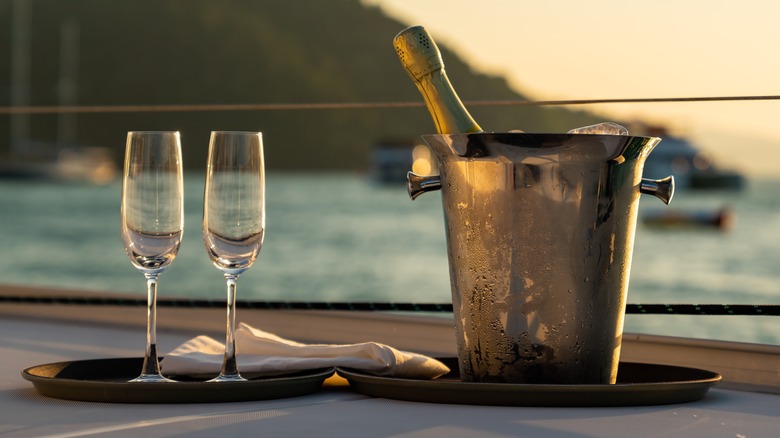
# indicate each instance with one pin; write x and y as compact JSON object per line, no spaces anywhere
{"x":573,"y":49}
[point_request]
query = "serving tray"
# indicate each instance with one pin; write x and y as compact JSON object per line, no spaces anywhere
{"x":106,"y":380}
{"x":637,"y":385}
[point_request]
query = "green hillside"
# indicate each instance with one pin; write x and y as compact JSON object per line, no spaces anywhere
{"x":240,"y":51}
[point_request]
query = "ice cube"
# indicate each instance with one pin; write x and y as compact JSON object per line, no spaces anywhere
{"x":605,"y":128}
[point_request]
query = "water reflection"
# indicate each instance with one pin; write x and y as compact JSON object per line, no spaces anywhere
{"x":339,"y":237}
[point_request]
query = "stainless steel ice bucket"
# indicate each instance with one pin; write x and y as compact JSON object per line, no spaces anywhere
{"x":540,"y":232}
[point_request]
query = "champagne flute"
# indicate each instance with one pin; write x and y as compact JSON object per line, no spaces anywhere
{"x":152,"y":221}
{"x":233,"y":219}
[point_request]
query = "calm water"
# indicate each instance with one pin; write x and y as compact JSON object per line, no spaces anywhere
{"x":339,"y":237}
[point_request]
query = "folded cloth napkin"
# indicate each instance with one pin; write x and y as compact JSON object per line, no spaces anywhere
{"x":265,"y":353}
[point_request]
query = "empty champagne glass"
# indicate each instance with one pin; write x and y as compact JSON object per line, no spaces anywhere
{"x":233,"y":219}
{"x":152,"y":220}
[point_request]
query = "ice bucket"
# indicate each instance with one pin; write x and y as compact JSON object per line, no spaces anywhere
{"x":540,"y":233}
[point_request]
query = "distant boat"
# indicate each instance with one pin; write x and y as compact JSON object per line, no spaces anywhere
{"x":692,"y":168}
{"x":63,"y":160}
{"x":391,"y":160}
{"x":93,"y":165}
{"x":721,"y":219}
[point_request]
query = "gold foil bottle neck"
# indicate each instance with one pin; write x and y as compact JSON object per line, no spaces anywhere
{"x":418,"y":52}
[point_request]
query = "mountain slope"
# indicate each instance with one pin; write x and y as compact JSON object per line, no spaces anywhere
{"x":234,"y":51}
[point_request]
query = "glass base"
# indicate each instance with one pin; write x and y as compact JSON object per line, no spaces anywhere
{"x":151,"y":378}
{"x":228,"y":378}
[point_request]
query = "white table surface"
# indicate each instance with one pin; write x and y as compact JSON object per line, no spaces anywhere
{"x":333,"y":411}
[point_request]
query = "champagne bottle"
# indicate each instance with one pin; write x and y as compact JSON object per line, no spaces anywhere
{"x":421,"y":58}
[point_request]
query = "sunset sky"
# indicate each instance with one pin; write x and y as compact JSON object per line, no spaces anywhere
{"x":572,"y":49}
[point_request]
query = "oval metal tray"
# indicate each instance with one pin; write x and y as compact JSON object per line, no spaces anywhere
{"x":637,"y":385}
{"x":106,"y":380}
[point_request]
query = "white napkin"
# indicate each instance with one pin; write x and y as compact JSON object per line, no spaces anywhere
{"x":265,"y":353}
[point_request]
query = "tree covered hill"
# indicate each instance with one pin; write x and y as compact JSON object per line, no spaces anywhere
{"x":146,"y":52}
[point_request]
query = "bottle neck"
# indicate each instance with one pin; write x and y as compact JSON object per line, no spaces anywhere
{"x":448,"y":112}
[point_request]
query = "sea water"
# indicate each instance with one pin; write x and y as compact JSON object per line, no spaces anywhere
{"x":342,"y":237}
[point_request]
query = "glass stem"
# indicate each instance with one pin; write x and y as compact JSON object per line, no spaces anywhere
{"x":229,"y":366}
{"x":151,"y":364}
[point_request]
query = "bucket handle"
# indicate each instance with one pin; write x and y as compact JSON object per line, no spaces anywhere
{"x":416,"y":185}
{"x":662,"y":189}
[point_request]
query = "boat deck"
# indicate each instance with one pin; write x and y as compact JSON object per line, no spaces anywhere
{"x":39,"y":334}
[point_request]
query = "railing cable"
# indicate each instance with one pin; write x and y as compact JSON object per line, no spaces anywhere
{"x":103,"y":109}
{"x":639,"y":309}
